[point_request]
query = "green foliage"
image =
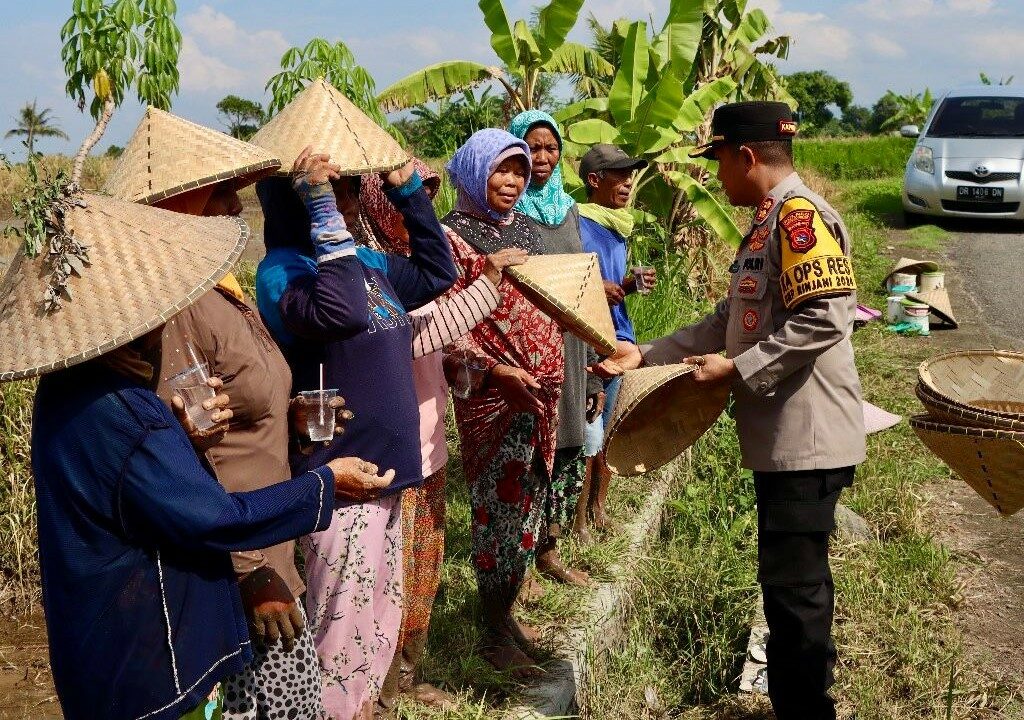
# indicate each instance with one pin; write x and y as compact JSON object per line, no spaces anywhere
{"x":19,"y":569}
{"x":854,"y":159}
{"x":910,"y":109}
{"x":114,"y":151}
{"x":114,"y":45}
{"x":241,"y":116}
{"x":816,"y":91}
{"x":986,"y":80}
{"x":32,"y":123}
{"x":528,"y":52}
{"x":337,"y":65}
{"x":438,"y":133}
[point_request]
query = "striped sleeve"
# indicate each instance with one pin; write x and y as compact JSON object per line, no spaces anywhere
{"x":455,"y":317}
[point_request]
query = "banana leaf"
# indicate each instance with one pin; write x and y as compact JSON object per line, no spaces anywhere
{"x":752,"y":27}
{"x":501,"y":31}
{"x":554,"y":22}
{"x":680,"y":155}
{"x":591,"y":132}
{"x":576,"y":59}
{"x":660,"y":107}
{"x":698,"y":104}
{"x":679,"y":41}
{"x":628,"y":85}
{"x":435,"y":82}
{"x":576,"y":109}
{"x":707,"y":207}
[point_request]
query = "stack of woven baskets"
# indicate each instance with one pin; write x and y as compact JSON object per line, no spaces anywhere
{"x":975,"y":420}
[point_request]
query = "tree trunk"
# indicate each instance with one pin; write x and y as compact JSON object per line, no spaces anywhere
{"x":90,"y":142}
{"x":31,"y":141}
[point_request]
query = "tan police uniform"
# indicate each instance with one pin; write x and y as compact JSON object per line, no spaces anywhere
{"x":798,"y":398}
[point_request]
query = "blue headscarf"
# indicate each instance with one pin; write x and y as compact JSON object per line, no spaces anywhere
{"x":472,"y":164}
{"x":548,"y":203}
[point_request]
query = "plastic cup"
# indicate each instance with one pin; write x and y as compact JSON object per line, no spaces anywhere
{"x":320,"y":420}
{"x":191,"y":386}
{"x":638,"y":275}
{"x":468,"y":376}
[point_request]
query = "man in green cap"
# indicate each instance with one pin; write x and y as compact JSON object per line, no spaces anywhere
{"x":785,"y":328}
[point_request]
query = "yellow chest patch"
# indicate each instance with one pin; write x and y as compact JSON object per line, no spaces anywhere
{"x":813,"y":261}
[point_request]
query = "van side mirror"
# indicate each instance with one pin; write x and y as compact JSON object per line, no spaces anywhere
{"x":910,"y":131}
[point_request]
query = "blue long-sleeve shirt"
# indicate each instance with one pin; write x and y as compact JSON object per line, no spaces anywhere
{"x":611,"y":258}
{"x":142,"y":607}
{"x":354,"y":300}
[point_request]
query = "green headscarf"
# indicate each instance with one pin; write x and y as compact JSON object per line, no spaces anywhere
{"x":549,"y":203}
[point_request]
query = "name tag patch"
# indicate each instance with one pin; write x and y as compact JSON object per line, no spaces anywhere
{"x":753,"y":264}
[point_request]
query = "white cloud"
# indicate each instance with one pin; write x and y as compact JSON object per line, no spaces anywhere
{"x":816,"y":39}
{"x":901,"y":9}
{"x":218,"y":55}
{"x":884,"y":47}
{"x":607,"y":11}
{"x":995,"y":46}
{"x":976,"y":7}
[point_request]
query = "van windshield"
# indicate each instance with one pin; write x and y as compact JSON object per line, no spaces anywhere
{"x":979,"y":117}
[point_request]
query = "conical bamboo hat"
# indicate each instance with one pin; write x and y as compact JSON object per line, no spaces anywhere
{"x":569,"y":289}
{"x":169,"y":155}
{"x":910,"y":265}
{"x":987,"y":381}
{"x":146,"y":265}
{"x":323,"y":117}
{"x":990,"y":461}
{"x":938,"y":302}
{"x":660,"y":411}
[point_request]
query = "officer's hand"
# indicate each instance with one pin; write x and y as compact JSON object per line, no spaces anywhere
{"x":517,"y":388}
{"x":712,"y":368}
{"x":614,"y":293}
{"x":271,"y":608}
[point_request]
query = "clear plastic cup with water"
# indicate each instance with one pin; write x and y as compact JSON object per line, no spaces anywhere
{"x":192,"y":387}
{"x":638,"y":276}
{"x":320,"y":419}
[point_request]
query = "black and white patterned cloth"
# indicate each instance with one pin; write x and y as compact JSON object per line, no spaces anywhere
{"x":277,"y":685}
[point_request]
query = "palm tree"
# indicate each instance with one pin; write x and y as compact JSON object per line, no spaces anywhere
{"x":33,"y":123}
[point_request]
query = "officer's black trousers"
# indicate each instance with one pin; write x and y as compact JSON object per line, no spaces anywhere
{"x":796,"y":514}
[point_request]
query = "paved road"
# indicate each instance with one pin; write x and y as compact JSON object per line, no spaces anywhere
{"x":989,"y":260}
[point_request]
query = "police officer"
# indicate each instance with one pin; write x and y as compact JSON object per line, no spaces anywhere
{"x":785,"y":328}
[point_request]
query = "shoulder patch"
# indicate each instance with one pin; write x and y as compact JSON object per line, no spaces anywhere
{"x":759,"y":238}
{"x":813,"y":261}
{"x":764,"y":209}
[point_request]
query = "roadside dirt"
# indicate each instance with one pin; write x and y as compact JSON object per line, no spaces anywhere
{"x":991,"y":547}
{"x":26,"y":686}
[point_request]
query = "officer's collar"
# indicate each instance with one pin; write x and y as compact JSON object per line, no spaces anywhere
{"x":788,"y":183}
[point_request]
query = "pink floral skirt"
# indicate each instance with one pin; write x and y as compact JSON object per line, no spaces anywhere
{"x":354,"y":602}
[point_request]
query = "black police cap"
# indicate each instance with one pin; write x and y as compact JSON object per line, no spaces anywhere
{"x":748,"y":122}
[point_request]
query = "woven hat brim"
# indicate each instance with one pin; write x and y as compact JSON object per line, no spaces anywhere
{"x":656,"y":421}
{"x":910,"y":265}
{"x":169,"y":155}
{"x":938,"y":304}
{"x":990,"y":461}
{"x":585,"y":314}
{"x":956,"y":414}
{"x":147,"y":265}
{"x":987,"y":381}
{"x":322,"y":117}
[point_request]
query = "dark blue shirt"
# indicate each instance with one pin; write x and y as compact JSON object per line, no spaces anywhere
{"x":611,"y":256}
{"x":142,"y":606}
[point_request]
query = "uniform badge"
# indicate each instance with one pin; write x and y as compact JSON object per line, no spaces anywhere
{"x":787,"y":127}
{"x":799,"y":226}
{"x":748,"y":285}
{"x":758,"y":238}
{"x":751,"y":320}
{"x":764,"y":209}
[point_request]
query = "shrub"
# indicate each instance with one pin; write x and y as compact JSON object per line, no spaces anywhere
{"x":854,"y":159}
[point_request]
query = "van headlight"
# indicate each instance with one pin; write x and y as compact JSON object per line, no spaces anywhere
{"x":923,"y":159}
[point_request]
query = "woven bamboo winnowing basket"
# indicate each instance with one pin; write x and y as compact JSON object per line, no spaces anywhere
{"x":938,"y":305}
{"x":169,"y":155}
{"x":912,"y":266}
{"x":956,"y":414}
{"x":660,"y":411}
{"x":570,"y":290}
{"x":146,"y":265}
{"x":990,"y":461}
{"x":322,"y":117}
{"x":987,"y":381}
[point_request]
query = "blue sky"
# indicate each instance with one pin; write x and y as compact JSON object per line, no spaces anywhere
{"x":233,"y":46}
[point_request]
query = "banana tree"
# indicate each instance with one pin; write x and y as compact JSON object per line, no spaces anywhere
{"x":651,"y":113}
{"x":913,"y":109}
{"x":527,"y":51}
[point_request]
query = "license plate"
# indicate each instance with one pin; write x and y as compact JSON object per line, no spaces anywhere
{"x":970,"y":193}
